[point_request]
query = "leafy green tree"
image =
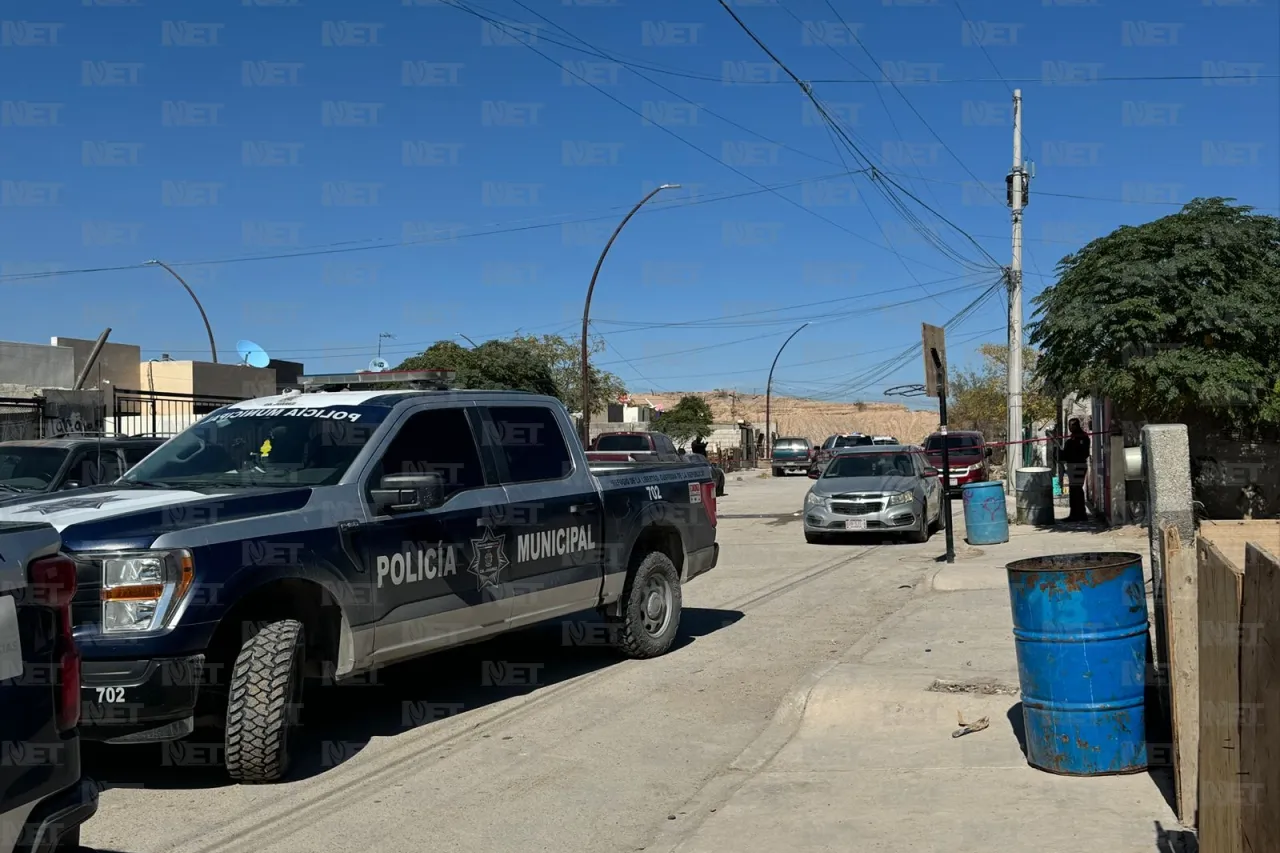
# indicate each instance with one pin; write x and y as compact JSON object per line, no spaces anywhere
{"x":549,"y":364}
{"x":688,"y":419}
{"x":564,"y":357}
{"x":494,"y":365}
{"x":1175,"y":316}
{"x":979,"y":399}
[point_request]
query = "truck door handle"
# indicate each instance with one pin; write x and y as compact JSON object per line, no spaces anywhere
{"x":582,"y":509}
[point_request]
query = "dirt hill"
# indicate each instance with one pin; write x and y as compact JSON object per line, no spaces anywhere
{"x":812,"y":419}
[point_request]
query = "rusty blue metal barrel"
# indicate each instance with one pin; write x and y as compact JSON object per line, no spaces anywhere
{"x":986,"y":516}
{"x":1080,"y":630}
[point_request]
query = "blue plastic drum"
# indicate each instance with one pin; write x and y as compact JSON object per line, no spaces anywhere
{"x":986,"y":518}
{"x":1080,"y":630}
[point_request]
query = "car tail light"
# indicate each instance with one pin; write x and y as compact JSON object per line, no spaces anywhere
{"x":53,"y":581}
{"x":709,"y":501}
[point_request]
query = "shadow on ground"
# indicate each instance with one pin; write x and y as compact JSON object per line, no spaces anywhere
{"x":1064,"y":526}
{"x":1175,"y":840}
{"x":337,"y":722}
{"x":1158,"y":767}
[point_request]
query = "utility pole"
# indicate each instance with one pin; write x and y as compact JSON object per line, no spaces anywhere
{"x":1017,"y":184}
{"x":940,"y":380}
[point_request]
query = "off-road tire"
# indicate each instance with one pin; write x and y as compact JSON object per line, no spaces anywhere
{"x":266,"y":683}
{"x":720,"y":489}
{"x":631,"y":638}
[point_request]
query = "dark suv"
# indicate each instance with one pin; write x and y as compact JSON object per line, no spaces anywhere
{"x":69,"y":462}
{"x":833,"y":443}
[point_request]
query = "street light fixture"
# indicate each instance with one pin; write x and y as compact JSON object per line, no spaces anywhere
{"x":768,"y":394}
{"x":586,"y":311}
{"x":213,"y":349}
{"x":468,"y":340}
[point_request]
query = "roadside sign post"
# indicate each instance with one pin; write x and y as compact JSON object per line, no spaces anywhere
{"x":935,"y":376}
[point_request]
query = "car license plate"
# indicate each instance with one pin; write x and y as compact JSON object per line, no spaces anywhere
{"x":855,"y":524}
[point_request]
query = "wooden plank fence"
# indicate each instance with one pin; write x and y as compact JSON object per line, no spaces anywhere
{"x":1238,"y":725}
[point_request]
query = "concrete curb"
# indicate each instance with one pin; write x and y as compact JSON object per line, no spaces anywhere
{"x":782,"y":727}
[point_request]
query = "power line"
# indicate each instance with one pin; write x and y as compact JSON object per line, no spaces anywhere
{"x":819,"y":319}
{"x":907,"y":100}
{"x":807,"y":89}
{"x":1082,"y":197}
{"x":671,"y":91}
{"x":652,"y":384}
{"x":376,"y":243}
{"x":455,"y":4}
{"x":886,"y":368}
{"x":642,"y":325}
{"x":1100,"y":78}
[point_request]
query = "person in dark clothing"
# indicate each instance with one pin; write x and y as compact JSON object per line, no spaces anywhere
{"x":699,"y":447}
{"x":1075,"y":455}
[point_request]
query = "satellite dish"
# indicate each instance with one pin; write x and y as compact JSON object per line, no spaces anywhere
{"x":252,"y":354}
{"x":378,"y":365}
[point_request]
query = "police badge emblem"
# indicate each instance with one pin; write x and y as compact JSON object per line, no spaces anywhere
{"x":488,"y":559}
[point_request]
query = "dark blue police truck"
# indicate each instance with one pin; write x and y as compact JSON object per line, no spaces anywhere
{"x":323,"y":535}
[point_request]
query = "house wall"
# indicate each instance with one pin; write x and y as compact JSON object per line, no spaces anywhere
{"x":232,"y":380}
{"x":36,"y":365}
{"x":117,"y":364}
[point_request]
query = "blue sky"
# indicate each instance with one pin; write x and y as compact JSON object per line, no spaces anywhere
{"x":435,"y":174}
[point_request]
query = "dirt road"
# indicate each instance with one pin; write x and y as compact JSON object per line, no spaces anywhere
{"x":575,"y":751}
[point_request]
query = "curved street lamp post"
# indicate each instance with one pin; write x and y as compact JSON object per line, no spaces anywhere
{"x":586,"y":312}
{"x":213,"y":349}
{"x":768,"y":394}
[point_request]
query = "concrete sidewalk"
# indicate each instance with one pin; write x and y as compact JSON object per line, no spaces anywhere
{"x":863,"y":759}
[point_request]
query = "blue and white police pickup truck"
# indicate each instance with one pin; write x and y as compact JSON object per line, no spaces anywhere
{"x":319,"y":536}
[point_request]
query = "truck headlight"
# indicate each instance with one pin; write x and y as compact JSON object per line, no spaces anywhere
{"x":142,"y":590}
{"x":814,"y":500}
{"x":899,"y":498}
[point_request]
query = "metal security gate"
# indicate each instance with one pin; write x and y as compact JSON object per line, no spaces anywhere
{"x":162,"y":412}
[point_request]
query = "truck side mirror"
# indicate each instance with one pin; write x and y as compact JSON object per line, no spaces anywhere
{"x":931,"y":472}
{"x":987,"y":453}
{"x":401,"y":493}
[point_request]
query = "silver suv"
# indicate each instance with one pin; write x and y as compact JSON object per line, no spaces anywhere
{"x":886,"y":489}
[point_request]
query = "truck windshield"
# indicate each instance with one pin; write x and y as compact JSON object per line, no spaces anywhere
{"x":623,"y":442}
{"x":870,"y":465}
{"x":281,"y":446}
{"x":954,"y":442}
{"x":29,"y":469}
{"x":851,"y":441}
